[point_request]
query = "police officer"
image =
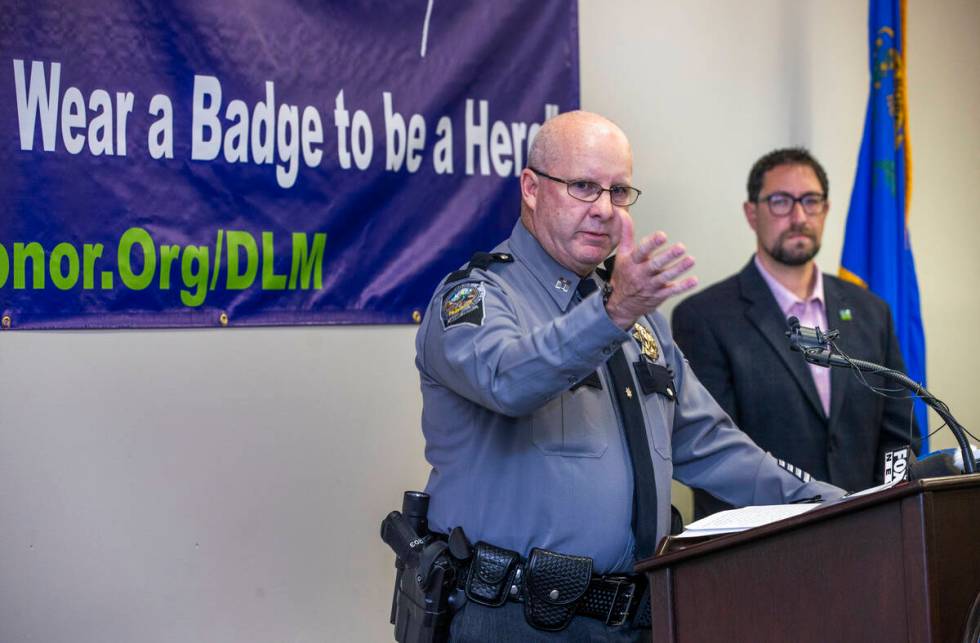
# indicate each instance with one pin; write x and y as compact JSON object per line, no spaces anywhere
{"x":556,"y":406}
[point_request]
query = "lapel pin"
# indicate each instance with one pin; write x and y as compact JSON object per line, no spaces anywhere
{"x":845,"y":314}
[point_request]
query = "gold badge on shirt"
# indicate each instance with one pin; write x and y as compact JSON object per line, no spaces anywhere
{"x":648,"y":345}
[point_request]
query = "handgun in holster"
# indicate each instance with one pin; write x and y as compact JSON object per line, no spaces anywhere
{"x":426,"y":578}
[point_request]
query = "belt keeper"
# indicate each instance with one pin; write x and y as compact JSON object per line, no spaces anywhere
{"x":517,"y":582}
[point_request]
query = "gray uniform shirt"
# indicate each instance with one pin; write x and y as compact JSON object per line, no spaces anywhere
{"x":522,"y":458}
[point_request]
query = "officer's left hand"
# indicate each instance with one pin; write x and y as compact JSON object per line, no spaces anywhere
{"x":644,"y":275}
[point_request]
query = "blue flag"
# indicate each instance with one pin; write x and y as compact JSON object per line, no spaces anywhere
{"x":877,"y":249}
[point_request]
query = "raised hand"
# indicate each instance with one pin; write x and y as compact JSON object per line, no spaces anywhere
{"x":644,"y":275}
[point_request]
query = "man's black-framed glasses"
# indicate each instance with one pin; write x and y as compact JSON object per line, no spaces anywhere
{"x":590,"y":191}
{"x":781,"y":203}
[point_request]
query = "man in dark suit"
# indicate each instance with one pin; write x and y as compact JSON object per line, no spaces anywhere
{"x":828,"y":422}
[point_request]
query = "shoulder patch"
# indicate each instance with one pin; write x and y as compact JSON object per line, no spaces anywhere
{"x":463,"y":305}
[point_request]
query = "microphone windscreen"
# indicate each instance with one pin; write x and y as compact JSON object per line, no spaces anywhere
{"x":935,"y":466}
{"x":958,"y":456}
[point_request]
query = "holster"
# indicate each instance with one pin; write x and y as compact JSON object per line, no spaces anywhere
{"x":553,"y":585}
{"x":490,"y":574}
{"x":423,"y":602}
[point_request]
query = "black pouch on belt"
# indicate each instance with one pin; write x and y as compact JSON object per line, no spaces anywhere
{"x":553,"y":586}
{"x":489,"y":575}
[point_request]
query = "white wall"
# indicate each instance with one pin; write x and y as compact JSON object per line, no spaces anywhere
{"x":944,"y":89}
{"x":204,"y":485}
{"x":227,"y":485}
{"x":705,"y":88}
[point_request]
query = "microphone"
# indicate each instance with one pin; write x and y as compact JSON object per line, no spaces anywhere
{"x":954,"y":457}
{"x":817,"y":348}
{"x":814,"y":344}
{"x":934,"y":466}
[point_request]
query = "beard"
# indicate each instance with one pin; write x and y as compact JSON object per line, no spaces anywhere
{"x":795,"y":253}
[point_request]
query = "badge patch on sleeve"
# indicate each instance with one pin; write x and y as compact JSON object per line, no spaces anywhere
{"x":463,"y":305}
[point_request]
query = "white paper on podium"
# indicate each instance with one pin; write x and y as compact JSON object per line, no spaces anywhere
{"x":726,"y":522}
{"x":733,"y":520}
{"x":870,"y":490}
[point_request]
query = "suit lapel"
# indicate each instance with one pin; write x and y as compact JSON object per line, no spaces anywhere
{"x":837,"y":303}
{"x":763,"y":312}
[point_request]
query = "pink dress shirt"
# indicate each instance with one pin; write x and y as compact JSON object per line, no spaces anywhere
{"x":811,"y":312}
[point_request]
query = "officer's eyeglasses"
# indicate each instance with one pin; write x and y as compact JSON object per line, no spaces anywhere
{"x":781,"y":204}
{"x":590,"y":191}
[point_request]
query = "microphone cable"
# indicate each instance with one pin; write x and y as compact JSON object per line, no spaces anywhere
{"x":820,"y":349}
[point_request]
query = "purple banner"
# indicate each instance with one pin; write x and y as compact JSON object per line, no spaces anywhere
{"x":255,"y":163}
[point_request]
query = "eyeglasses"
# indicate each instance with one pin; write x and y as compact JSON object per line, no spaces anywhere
{"x":781,"y":203}
{"x":590,"y":191}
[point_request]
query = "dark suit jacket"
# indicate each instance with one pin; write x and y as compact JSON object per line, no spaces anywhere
{"x":734,"y":336}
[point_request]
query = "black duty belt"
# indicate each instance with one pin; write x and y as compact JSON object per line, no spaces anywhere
{"x":555,"y":587}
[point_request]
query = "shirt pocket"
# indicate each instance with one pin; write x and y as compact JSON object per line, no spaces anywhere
{"x":575,"y":424}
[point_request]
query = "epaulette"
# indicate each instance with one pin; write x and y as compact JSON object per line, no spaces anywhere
{"x":481,"y":260}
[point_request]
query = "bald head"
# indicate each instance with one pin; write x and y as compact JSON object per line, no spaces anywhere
{"x":569,"y":133}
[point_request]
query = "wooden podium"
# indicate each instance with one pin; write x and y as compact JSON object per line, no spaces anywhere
{"x":898,"y":565}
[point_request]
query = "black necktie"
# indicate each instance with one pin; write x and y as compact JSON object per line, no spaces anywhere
{"x":627,"y":396}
